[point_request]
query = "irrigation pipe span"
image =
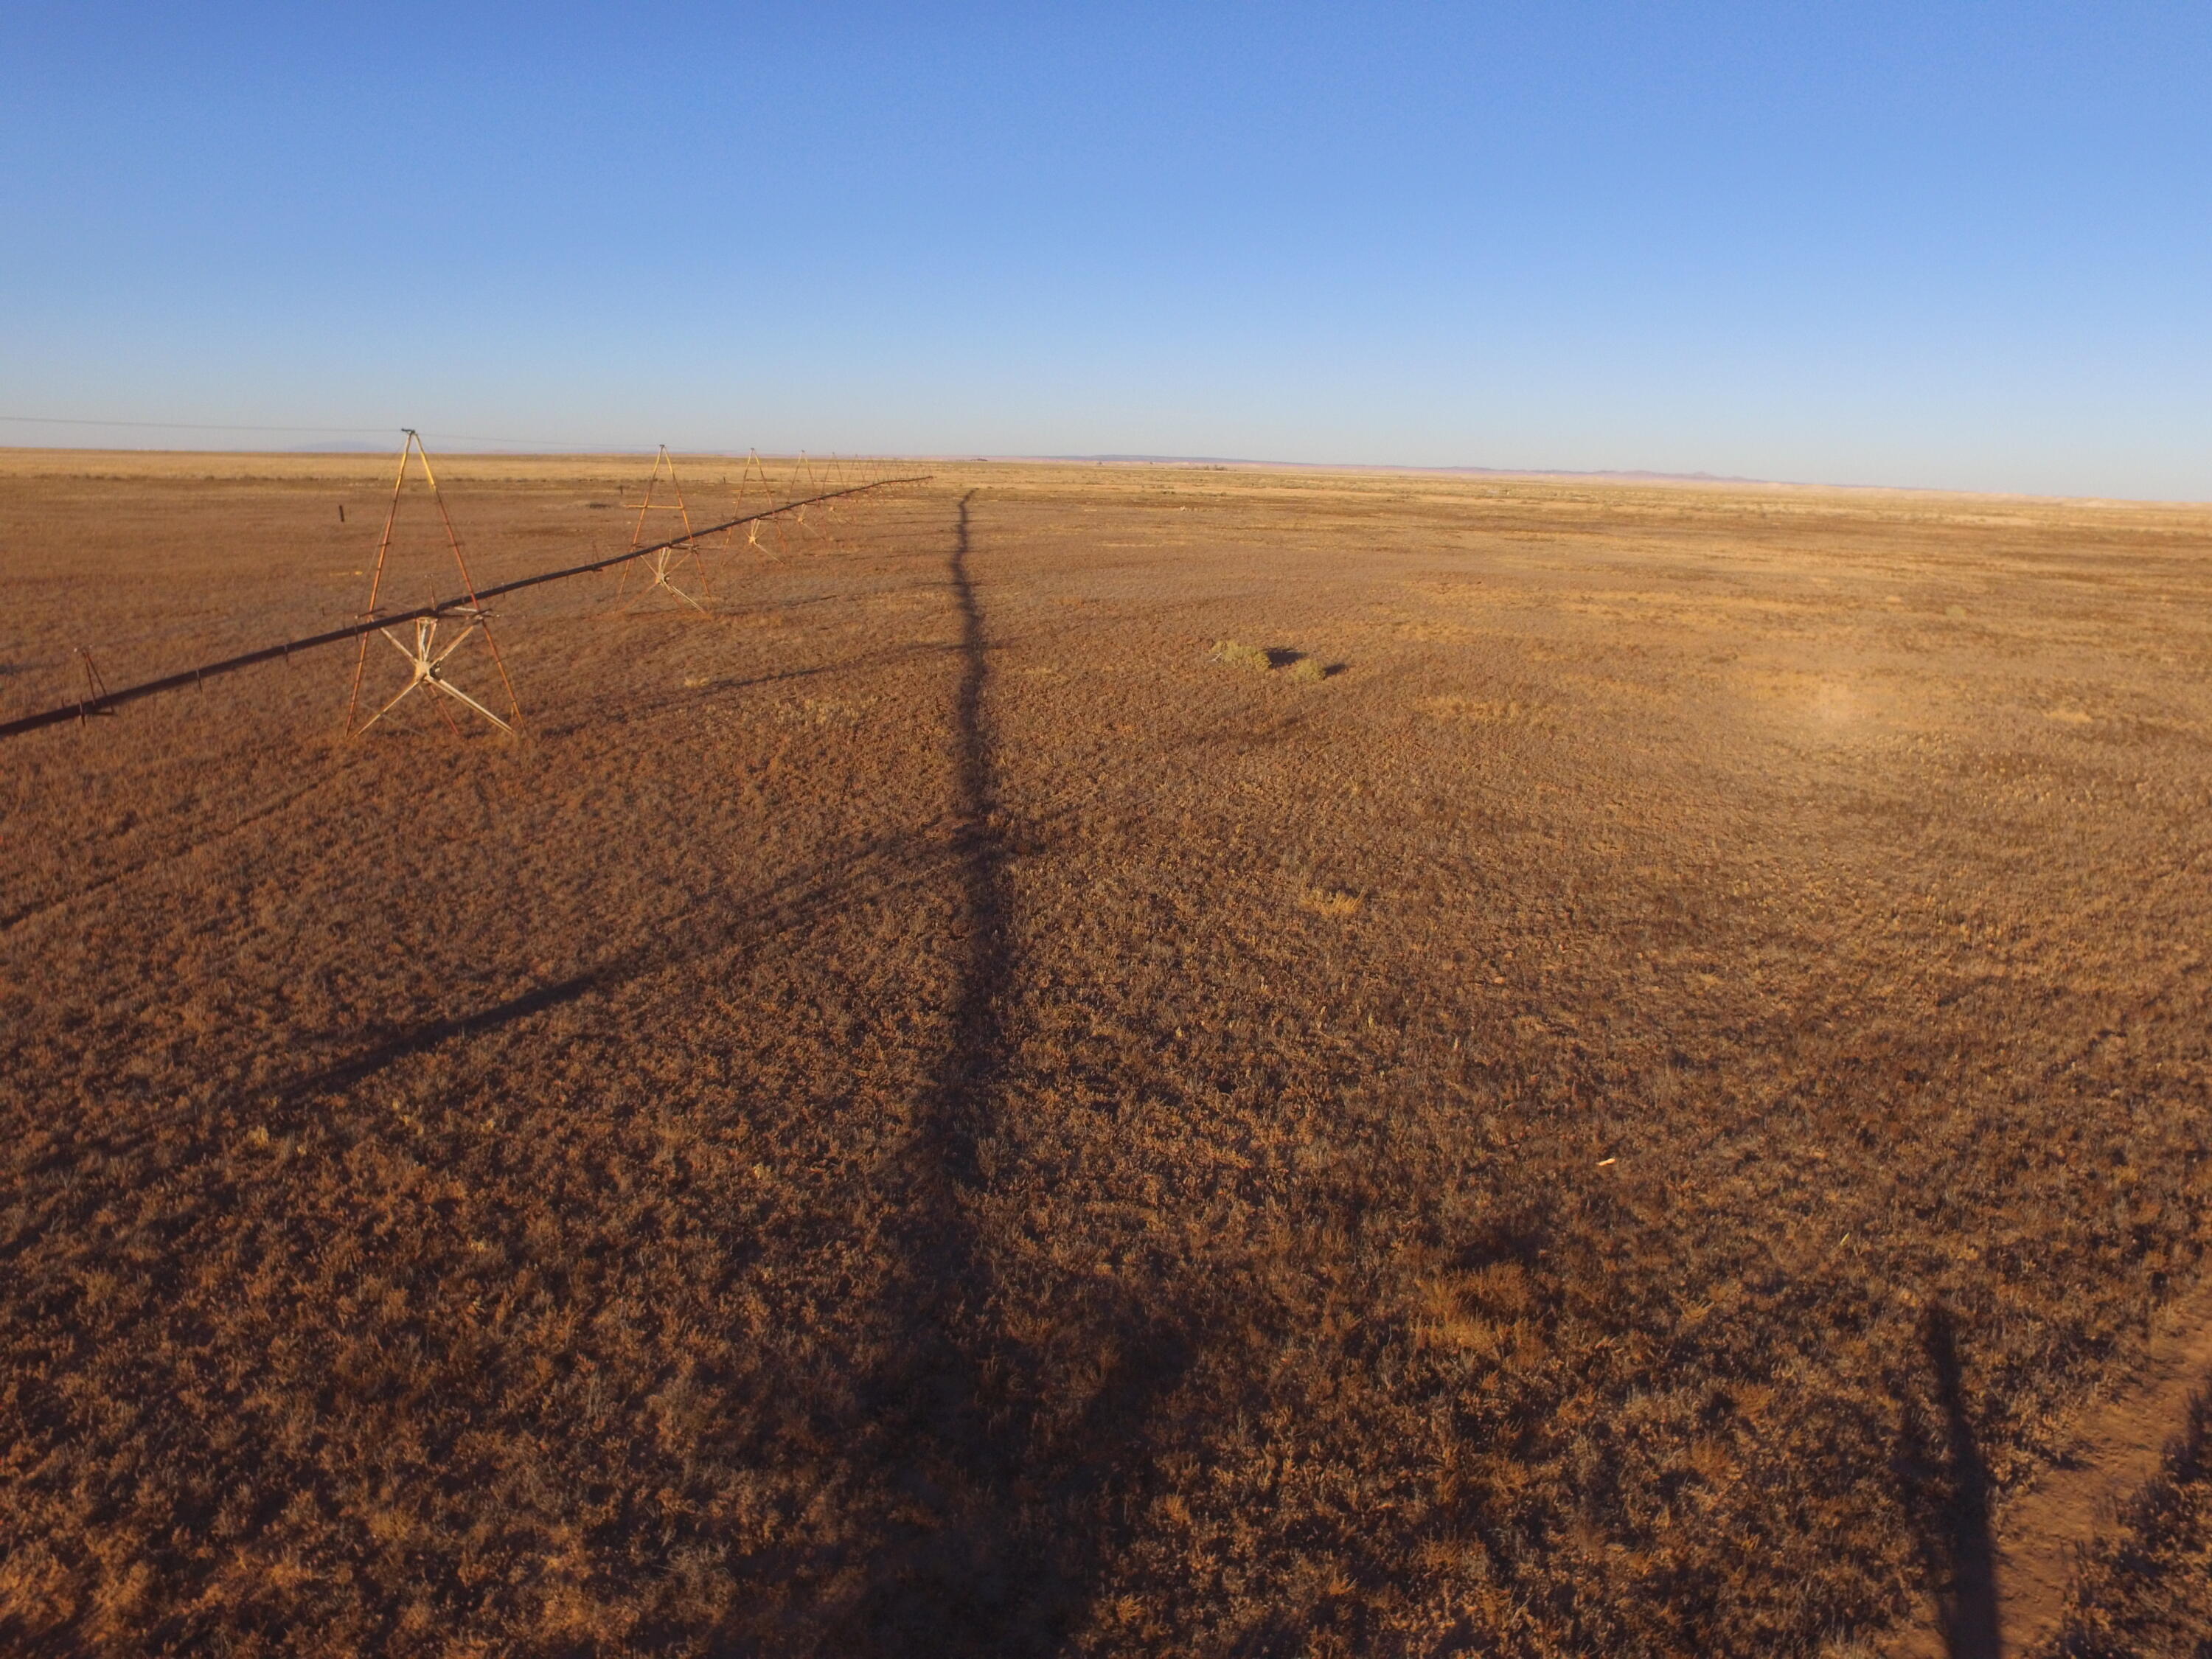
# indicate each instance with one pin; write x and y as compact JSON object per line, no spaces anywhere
{"x":107,"y":700}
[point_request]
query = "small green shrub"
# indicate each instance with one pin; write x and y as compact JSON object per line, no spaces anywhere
{"x":1242,"y":656}
{"x":1309,"y":671}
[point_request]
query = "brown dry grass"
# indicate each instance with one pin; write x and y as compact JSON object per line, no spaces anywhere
{"x":859,"y":1137}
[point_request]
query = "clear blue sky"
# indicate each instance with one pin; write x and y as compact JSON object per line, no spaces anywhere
{"x":1931,"y":243}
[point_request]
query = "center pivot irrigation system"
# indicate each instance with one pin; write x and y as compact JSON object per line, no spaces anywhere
{"x":426,"y":655}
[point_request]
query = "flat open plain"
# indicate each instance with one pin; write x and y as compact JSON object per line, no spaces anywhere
{"x":1654,"y":1108}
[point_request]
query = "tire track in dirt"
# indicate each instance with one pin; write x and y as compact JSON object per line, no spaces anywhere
{"x":2120,"y":1446}
{"x":2117,"y":1448}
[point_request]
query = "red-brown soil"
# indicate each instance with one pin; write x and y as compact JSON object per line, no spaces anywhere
{"x":2121,"y":1441}
{"x":1643,"y":1112}
{"x":2144,"y":1590}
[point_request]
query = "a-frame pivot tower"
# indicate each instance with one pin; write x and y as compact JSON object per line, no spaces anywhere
{"x":664,"y":563}
{"x":427,"y":659}
{"x":756,"y":474}
{"x":805,"y":484}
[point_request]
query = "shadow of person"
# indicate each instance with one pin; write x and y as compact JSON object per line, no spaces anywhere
{"x":1945,"y":1486}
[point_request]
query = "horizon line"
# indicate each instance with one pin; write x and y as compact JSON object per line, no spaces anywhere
{"x":555,"y":450}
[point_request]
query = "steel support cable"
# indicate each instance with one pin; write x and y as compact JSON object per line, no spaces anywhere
{"x":177,"y":682}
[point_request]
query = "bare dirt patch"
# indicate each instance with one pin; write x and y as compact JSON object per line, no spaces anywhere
{"x":2122,"y":1442}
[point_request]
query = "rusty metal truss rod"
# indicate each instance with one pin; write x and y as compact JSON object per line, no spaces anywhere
{"x":102,"y":703}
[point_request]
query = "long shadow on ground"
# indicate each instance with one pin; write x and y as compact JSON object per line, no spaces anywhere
{"x":877,"y":868}
{"x":994,"y":1468}
{"x":999,"y":1541}
{"x":1946,"y":1488}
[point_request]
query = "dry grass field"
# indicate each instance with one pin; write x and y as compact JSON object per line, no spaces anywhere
{"x":1631,"y":1088}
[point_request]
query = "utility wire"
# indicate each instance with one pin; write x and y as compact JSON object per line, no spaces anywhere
{"x":569,"y":445}
{"x":178,"y":426}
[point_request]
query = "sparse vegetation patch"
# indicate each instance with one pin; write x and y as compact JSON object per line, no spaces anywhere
{"x":1452,"y":706}
{"x":1329,"y":902}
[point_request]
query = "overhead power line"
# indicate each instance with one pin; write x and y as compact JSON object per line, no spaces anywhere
{"x":570,"y":444}
{"x":176,"y":426}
